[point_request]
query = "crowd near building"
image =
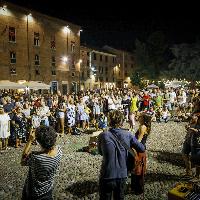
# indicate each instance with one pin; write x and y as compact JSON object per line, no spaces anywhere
{"x":40,"y":48}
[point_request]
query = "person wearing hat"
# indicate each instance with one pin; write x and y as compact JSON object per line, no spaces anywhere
{"x":4,"y":128}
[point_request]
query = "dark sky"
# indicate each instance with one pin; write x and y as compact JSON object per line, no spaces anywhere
{"x":118,"y":24}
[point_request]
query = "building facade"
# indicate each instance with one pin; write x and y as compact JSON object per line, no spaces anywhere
{"x":98,"y":68}
{"x":125,"y":66}
{"x":37,"y":47}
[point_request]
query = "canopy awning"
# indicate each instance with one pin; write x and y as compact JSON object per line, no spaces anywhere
{"x":152,"y":86}
{"x":36,"y":85}
{"x":6,"y":84}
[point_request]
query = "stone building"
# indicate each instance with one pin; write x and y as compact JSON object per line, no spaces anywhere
{"x":125,"y":66}
{"x":37,"y":47}
{"x":98,"y":68}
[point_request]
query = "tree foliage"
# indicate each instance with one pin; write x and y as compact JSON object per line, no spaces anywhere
{"x":150,"y":55}
{"x":186,"y":62}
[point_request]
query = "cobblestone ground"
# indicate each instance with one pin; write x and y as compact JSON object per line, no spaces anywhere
{"x":78,"y":175}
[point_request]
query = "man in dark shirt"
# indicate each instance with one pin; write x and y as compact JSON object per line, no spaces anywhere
{"x":114,"y":165}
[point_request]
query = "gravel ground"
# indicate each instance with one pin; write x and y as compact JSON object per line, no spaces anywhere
{"x":78,"y":175}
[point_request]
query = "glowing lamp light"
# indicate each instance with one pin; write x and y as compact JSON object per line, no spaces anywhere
{"x":80,"y":61}
{"x":93,"y":69}
{"x":66,"y":29}
{"x":65,"y":59}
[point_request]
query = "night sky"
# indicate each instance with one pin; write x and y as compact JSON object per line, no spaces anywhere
{"x":108,"y":24}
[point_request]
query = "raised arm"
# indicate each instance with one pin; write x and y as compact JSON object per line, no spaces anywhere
{"x":27,"y":147}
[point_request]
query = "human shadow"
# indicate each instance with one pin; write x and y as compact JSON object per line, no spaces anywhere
{"x":152,"y":177}
{"x":84,"y":188}
{"x":170,"y":157}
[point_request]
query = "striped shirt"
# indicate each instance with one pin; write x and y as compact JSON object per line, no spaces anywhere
{"x":42,"y":169}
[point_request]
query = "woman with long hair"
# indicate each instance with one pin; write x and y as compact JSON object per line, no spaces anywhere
{"x":144,"y":128}
{"x":137,"y":176}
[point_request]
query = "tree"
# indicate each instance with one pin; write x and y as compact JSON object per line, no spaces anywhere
{"x":150,"y":55}
{"x":186,"y":62}
{"x":137,"y":79}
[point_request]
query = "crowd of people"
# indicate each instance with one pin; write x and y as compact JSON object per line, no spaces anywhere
{"x":22,"y":114}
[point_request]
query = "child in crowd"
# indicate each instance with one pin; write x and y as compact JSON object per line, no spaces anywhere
{"x":165,"y":115}
{"x":152,"y":112}
{"x":102,"y":122}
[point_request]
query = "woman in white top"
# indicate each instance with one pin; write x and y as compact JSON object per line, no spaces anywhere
{"x":4,"y":128}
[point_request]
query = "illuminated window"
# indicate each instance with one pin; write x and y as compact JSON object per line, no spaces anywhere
{"x":12,"y":57}
{"x":12,"y":34}
{"x":53,"y":42}
{"x":53,"y":65}
{"x":36,"y":39}
{"x":72,"y":47}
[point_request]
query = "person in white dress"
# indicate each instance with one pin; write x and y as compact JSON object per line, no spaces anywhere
{"x":4,"y":129}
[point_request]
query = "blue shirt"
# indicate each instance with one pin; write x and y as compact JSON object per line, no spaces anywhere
{"x":114,"y":154}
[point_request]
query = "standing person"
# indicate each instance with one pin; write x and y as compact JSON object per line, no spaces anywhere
{"x":42,"y":164}
{"x":137,"y":181}
{"x":144,"y":128}
{"x":133,"y":111}
{"x":4,"y":129}
{"x":70,"y":115}
{"x":61,"y":118}
{"x":114,"y":165}
{"x":186,"y":150}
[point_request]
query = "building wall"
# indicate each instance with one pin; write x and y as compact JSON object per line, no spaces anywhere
{"x":98,"y":68}
{"x":125,"y":66}
{"x":48,"y":28}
